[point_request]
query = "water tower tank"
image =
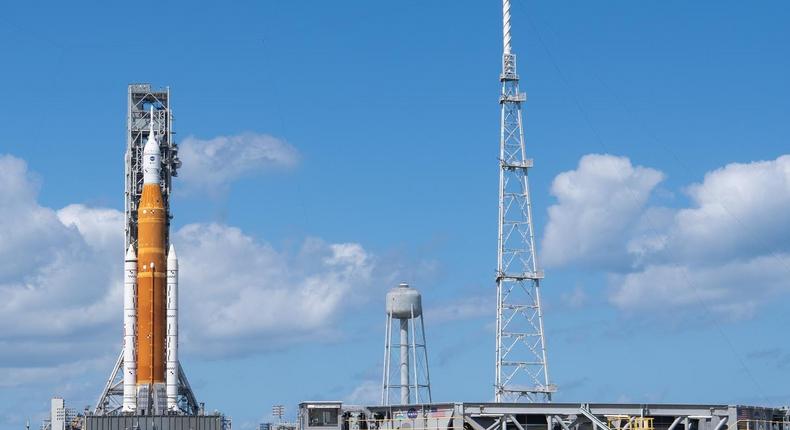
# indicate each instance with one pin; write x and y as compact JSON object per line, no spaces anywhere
{"x":401,"y":300}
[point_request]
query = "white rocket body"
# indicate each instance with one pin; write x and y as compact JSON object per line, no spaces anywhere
{"x":152,"y":157}
{"x":129,"y":332}
{"x":171,"y":363}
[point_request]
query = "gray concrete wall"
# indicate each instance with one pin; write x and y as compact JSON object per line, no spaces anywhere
{"x":153,"y":422}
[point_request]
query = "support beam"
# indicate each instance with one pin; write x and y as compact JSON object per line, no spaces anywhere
{"x":563,"y":424}
{"x":515,"y":421}
{"x":106,"y":392}
{"x":472,"y":423}
{"x":585,"y":410}
{"x":722,"y":422}
{"x":675,"y":423}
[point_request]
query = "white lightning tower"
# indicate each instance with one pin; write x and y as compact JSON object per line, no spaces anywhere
{"x":522,"y":372}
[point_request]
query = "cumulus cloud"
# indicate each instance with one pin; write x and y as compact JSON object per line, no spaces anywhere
{"x":740,"y":208}
{"x":55,"y":279}
{"x":237,"y":289}
{"x":597,"y":208}
{"x":728,"y":250}
{"x":735,"y":287}
{"x":61,"y":274}
{"x":61,"y":280}
{"x":27,"y":375}
{"x":211,"y":165}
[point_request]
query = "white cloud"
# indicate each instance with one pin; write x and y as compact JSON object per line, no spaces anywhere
{"x":54,"y":281}
{"x":28,"y":375}
{"x":61,"y":283}
{"x":740,"y":208}
{"x":461,"y":309}
{"x":61,"y":280}
{"x":576,"y":298}
{"x":597,"y":208}
{"x":241,"y":295}
{"x":368,"y":392}
{"x":211,"y":165}
{"x":32,"y":235}
{"x":734,"y":288}
{"x":726,"y":251}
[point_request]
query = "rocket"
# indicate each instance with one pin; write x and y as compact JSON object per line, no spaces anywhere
{"x":150,"y":380}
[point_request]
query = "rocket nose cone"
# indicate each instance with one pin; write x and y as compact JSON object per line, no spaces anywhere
{"x":130,"y":254}
{"x":171,"y":254}
{"x":151,"y":146}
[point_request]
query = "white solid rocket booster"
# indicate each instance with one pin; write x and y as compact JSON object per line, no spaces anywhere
{"x":172,"y":330}
{"x":129,"y":331}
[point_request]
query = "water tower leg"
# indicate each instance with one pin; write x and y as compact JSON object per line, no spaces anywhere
{"x":385,"y":380}
{"x":404,"y":361}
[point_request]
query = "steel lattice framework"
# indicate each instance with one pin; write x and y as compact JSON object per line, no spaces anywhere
{"x":521,"y":365}
{"x":139,"y":118}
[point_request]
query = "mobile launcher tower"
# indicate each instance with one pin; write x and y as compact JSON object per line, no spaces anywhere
{"x":147,"y":378}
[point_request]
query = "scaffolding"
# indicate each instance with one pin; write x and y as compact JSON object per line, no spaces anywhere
{"x":138,"y":120}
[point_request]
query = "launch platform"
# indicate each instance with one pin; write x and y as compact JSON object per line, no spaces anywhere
{"x":155,"y":422}
{"x":541,"y":416}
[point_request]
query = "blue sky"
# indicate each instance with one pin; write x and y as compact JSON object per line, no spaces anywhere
{"x":356,"y":147}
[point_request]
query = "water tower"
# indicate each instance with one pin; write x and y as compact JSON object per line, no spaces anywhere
{"x":413,"y":381}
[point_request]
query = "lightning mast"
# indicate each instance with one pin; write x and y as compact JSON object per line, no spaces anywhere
{"x":521,"y":366}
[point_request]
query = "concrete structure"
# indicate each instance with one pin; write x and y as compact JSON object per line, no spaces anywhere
{"x":156,"y":422}
{"x":405,"y":305}
{"x":57,"y":414}
{"x":277,"y":426}
{"x":540,"y":416}
{"x":521,"y":366}
{"x":60,"y":416}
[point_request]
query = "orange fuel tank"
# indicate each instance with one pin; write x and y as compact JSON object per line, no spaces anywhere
{"x":151,"y":286}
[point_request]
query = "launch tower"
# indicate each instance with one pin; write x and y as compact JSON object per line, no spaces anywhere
{"x":522,"y":372}
{"x":138,"y":121}
{"x":147,"y":377}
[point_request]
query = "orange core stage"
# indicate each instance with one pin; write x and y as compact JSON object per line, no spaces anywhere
{"x":151,"y":286}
